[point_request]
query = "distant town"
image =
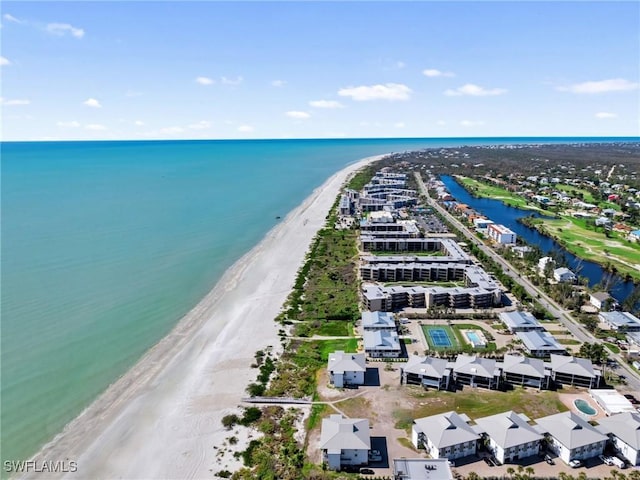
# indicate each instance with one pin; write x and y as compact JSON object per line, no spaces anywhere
{"x":426,"y":340}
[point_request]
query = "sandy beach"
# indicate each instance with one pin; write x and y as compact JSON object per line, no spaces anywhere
{"x":162,"y":418}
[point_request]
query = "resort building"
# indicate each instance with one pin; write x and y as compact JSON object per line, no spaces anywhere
{"x":382,"y":344}
{"x":623,"y":321}
{"x":477,"y":372}
{"x":447,"y":435}
{"x":623,"y":431}
{"x":378,"y":321}
{"x":430,"y":372}
{"x":574,"y":371}
{"x":346,"y":368}
{"x":611,"y":402}
{"x":509,"y":436}
{"x":520,"y":321}
{"x":540,"y":343}
{"x":525,"y":371}
{"x":501,"y":234}
{"x":421,"y":469}
{"x":564,"y":275}
{"x":571,"y":437}
{"x":345,"y":441}
{"x":344,"y":207}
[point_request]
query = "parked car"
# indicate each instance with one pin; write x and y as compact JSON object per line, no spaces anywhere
{"x":375,"y":456}
{"x":366,"y":471}
{"x":618,"y":462}
{"x":575,"y":463}
{"x":549,"y":460}
{"x":488,"y":461}
{"x":606,"y":460}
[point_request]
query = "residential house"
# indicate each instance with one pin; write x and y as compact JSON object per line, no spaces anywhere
{"x":575,"y":371}
{"x":477,"y":372}
{"x":525,"y":371}
{"x":543,"y":262}
{"x":346,"y":368}
{"x":378,"y":321}
{"x":447,"y":435}
{"x":509,"y":436}
{"x":426,"y":371}
{"x":345,"y":441}
{"x":571,"y":437}
{"x":599,"y":299}
{"x":623,"y":321}
{"x":421,"y":469}
{"x":540,"y":343}
{"x":520,"y":321}
{"x":623,"y":430}
{"x":382,"y":344}
{"x":564,"y":275}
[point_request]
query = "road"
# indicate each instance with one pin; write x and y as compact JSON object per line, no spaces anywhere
{"x":563,"y":316}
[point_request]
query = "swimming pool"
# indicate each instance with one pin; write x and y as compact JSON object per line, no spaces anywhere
{"x":475,"y":339}
{"x":584,"y":407}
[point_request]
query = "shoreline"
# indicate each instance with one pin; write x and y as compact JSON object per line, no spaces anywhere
{"x":178,"y":391}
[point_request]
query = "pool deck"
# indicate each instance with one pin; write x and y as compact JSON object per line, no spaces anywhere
{"x":569,"y":398}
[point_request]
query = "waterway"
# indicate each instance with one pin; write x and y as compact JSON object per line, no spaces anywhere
{"x":506,"y":215}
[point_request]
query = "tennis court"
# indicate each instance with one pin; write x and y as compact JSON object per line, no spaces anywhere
{"x":439,"y":338}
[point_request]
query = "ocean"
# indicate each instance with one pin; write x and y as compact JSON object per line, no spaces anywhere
{"x":106,"y":245}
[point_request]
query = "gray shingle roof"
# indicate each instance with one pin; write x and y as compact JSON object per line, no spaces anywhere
{"x":625,"y":426}
{"x":569,"y":429}
{"x":340,"y":362}
{"x":572,"y":366}
{"x":426,"y":366}
{"x":520,"y":365}
{"x":340,"y":433}
{"x":508,"y":429}
{"x":446,"y":429}
{"x":472,"y":365}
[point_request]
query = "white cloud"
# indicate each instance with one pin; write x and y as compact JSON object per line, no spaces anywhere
{"x":278,"y":83}
{"x":201,"y":125}
{"x":399,"y":125}
{"x":96,"y":127}
{"x":72,"y":124}
{"x":245,"y":128}
{"x":11,"y":18}
{"x":14,"y":102}
{"x":471,"y":123}
{"x":231,"y":81}
{"x":606,"y":115}
{"x":92,"y":102}
{"x":204,"y":81}
{"x":602,"y":86}
{"x":325,"y":104}
{"x":298,"y":115}
{"x":4,"y":62}
{"x":171,"y":130}
{"x":138,"y":123}
{"x":474,"y":91}
{"x":400,"y":64}
{"x":388,"y":91}
{"x":432,"y":72}
{"x":62,"y":29}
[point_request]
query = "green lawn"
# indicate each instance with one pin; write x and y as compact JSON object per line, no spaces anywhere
{"x":568,"y":341}
{"x":482,"y":189}
{"x":612,"y":347}
{"x":329,"y":346}
{"x":481,"y":403}
{"x":336,"y":328}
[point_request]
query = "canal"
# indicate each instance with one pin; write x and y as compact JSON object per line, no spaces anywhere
{"x":506,"y":215}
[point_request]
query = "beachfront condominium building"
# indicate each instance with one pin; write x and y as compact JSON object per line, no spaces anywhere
{"x":509,"y":436}
{"x":525,"y":371}
{"x":430,"y":372}
{"x":346,"y":368}
{"x":447,"y":435}
{"x":540,"y":343}
{"x":501,"y":234}
{"x":477,"y":372}
{"x":574,"y":371}
{"x":623,"y":431}
{"x":571,"y":437}
{"x":519,"y":321}
{"x":345,"y":441}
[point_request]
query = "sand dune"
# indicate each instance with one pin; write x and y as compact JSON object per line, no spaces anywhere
{"x":162,"y":418}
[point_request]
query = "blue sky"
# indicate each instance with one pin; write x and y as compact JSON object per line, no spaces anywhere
{"x":143,"y":70}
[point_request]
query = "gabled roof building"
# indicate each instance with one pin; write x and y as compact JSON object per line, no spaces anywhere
{"x":525,"y":371}
{"x":509,"y":436}
{"x":477,"y":372}
{"x":346,"y":368}
{"x":427,"y":371}
{"x":575,"y":371}
{"x":345,"y":441}
{"x":447,"y":435}
{"x":623,"y":430}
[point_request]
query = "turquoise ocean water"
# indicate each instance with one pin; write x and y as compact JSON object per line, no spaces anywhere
{"x":105,"y":245}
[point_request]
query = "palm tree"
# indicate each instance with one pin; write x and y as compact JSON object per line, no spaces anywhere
{"x":530,"y":471}
{"x":511,"y":471}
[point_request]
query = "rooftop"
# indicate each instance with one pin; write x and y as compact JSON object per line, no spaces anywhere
{"x":340,"y":362}
{"x":625,"y":426}
{"x":531,"y":367}
{"x":473,"y":365}
{"x":572,"y":366}
{"x":446,"y":429}
{"x":422,"y":469}
{"x":569,"y":429}
{"x":340,"y":433}
{"x":539,"y":341}
{"x":426,"y":366}
{"x":620,"y":319}
{"x":508,"y":429}
{"x":519,"y":320}
{"x":381,"y":340}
